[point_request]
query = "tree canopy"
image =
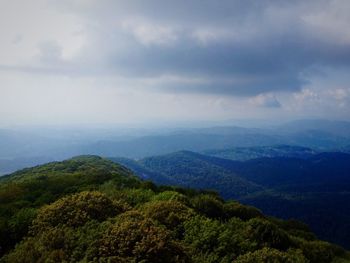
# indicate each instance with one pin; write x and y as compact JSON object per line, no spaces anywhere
{"x":88,"y":209}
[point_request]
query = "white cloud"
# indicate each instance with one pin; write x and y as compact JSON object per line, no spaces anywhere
{"x":265,"y":100}
{"x":307,"y":95}
{"x":330,"y":21}
{"x":148,"y":33}
{"x":340,"y":94}
{"x":26,"y":24}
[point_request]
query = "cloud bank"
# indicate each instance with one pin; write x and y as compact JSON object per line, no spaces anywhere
{"x":264,"y":53}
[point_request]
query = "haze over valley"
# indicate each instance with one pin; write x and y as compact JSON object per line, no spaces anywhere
{"x":193,"y":131}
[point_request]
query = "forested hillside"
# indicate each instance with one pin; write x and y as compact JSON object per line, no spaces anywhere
{"x":189,"y":169}
{"x":248,"y":153}
{"x":314,"y":189}
{"x":89,"y":209}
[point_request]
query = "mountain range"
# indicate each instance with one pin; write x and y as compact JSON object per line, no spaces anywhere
{"x":314,"y":188}
{"x":89,"y":209}
{"x":60,"y":143}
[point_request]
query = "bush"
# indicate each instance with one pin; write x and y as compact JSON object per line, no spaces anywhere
{"x":76,"y":210}
{"x":139,"y":240}
{"x":25,"y":252}
{"x":172,"y":196}
{"x":235,"y":209}
{"x":232,"y":240}
{"x":270,"y":255}
{"x":20,"y":222}
{"x":208,"y":206}
{"x":267,"y":234}
{"x":57,"y":244}
{"x":133,"y":197}
{"x":317,"y":251}
{"x":203,"y":233}
{"x":172,"y":214}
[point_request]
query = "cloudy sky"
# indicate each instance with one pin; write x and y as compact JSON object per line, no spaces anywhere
{"x":111,"y":61}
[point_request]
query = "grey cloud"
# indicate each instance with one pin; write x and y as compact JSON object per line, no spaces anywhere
{"x":50,"y":52}
{"x":17,"y":39}
{"x":236,"y":47}
{"x":273,"y":56}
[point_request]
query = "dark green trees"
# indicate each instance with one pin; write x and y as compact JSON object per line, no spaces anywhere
{"x":122,"y":219}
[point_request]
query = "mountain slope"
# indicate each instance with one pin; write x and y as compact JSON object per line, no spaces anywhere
{"x":326,"y":171}
{"x":11,"y":165}
{"x":315,"y":189}
{"x":144,"y":172}
{"x":320,"y":172}
{"x":327,"y":213}
{"x":194,"y":170}
{"x":197,"y":140}
{"x":247,"y":153}
{"x":33,"y":187}
{"x":99,"y":211}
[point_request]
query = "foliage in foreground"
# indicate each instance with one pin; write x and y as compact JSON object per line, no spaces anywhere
{"x":122,"y":219}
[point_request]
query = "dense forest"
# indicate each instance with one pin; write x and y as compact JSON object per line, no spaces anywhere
{"x":248,"y":153}
{"x":312,"y":188}
{"x":89,"y":209}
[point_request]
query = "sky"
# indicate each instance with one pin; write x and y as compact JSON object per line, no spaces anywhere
{"x":112,"y":61}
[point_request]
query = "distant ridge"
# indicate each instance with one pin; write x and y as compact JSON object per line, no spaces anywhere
{"x":314,"y":188}
{"x":247,"y":153}
{"x":88,"y":208}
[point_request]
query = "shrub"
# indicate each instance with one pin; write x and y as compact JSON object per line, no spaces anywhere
{"x":203,"y":233}
{"x":270,"y":255}
{"x":172,"y":196}
{"x":75,"y":210}
{"x":235,"y":209}
{"x":208,"y":206}
{"x":317,"y":251}
{"x":267,"y":234}
{"x":140,"y":241}
{"x":20,"y":222}
{"x":232,"y":240}
{"x":169,"y":213}
{"x":57,"y":244}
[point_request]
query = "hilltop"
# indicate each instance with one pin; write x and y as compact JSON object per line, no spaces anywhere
{"x":89,"y":209}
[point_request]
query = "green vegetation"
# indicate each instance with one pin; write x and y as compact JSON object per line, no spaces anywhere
{"x":189,"y":169}
{"x":312,"y":188}
{"x":88,"y":209}
{"x":248,"y":153}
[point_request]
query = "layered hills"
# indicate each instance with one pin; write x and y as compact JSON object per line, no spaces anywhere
{"x":314,"y":188}
{"x":89,"y":209}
